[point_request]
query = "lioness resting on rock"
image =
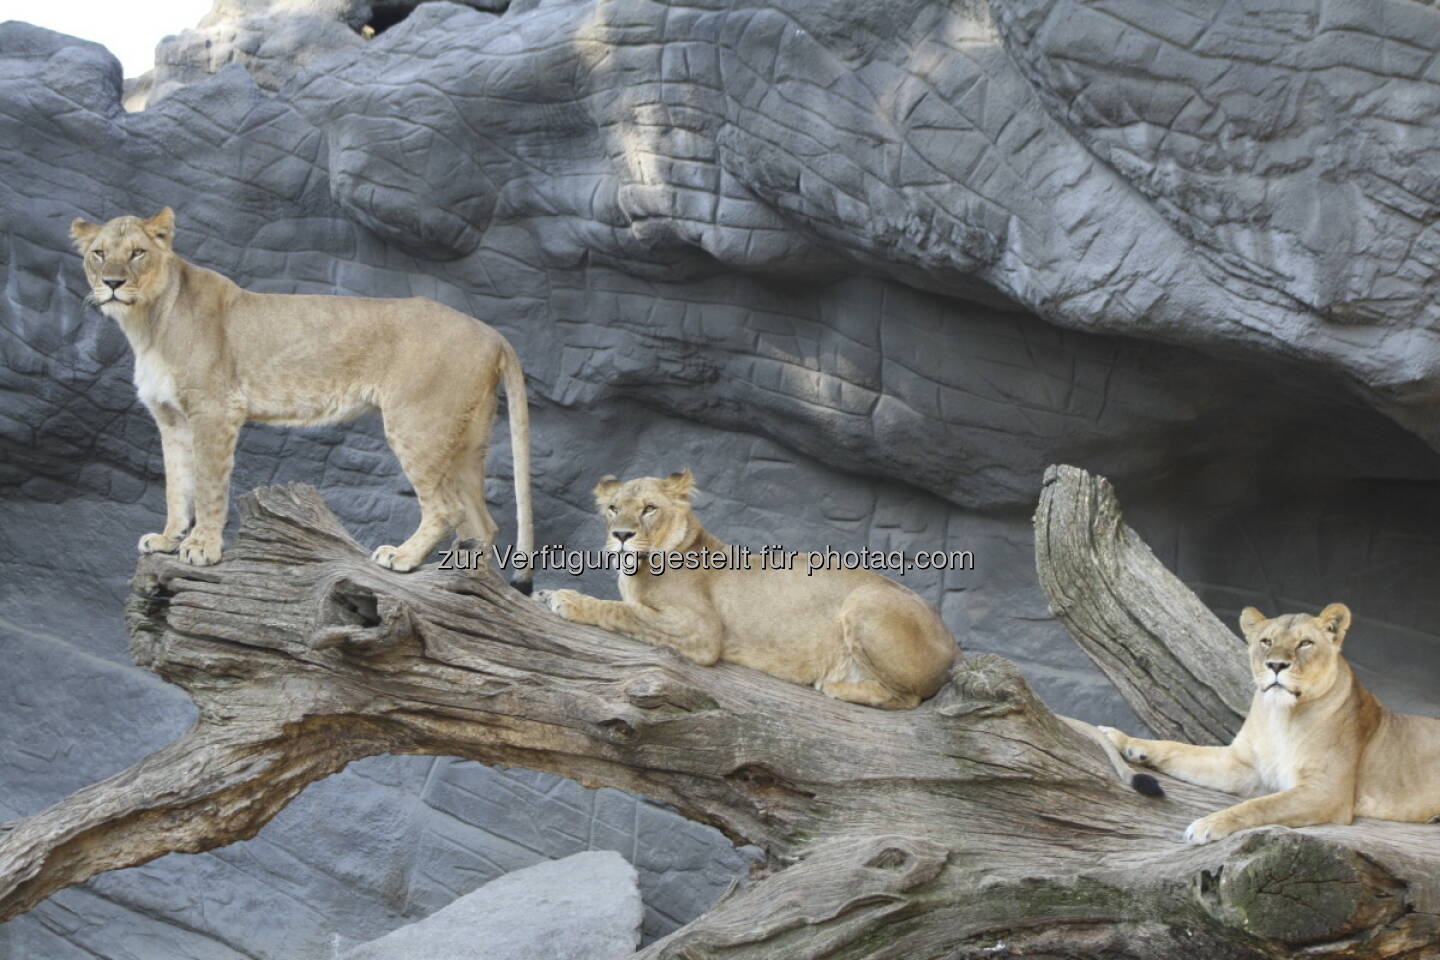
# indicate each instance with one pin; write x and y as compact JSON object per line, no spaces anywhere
{"x":852,"y":634}
{"x":210,"y":356}
{"x":1316,"y":738}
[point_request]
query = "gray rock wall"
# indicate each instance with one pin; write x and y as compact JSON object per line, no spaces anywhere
{"x":867,"y":268}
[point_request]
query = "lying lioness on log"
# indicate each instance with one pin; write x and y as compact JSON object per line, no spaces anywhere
{"x":851,"y":634}
{"x":1328,"y":750}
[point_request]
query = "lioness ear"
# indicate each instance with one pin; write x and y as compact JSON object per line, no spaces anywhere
{"x":679,"y":485}
{"x":82,"y":232}
{"x":607,"y":485}
{"x":161,"y":227}
{"x":1250,"y":618}
{"x":1335,"y":620}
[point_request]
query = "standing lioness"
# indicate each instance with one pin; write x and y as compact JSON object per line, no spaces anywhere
{"x":210,"y":356}
{"x":852,"y":634}
{"x":1324,"y":748}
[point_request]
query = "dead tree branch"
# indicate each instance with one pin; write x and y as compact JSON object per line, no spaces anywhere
{"x":974,"y":826}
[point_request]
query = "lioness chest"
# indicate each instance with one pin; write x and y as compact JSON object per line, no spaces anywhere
{"x":1280,"y":750}
{"x":154,"y":383}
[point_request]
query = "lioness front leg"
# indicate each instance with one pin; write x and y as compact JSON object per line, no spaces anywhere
{"x":1301,"y":806}
{"x":214,"y":438}
{"x":681,"y":630}
{"x":176,"y":445}
{"x":1218,"y":767}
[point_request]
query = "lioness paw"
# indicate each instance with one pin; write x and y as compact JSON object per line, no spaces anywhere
{"x":200,"y":551}
{"x":1209,"y":829}
{"x":1129,"y":747}
{"x":558,"y":601}
{"x":391,"y":559}
{"x":1132,"y":749}
{"x":158,"y":543}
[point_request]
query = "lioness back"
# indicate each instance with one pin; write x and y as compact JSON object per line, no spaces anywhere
{"x":375,"y":353}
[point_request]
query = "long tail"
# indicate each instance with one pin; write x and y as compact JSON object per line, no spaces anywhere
{"x":519,"y":406}
{"x":1140,"y":782}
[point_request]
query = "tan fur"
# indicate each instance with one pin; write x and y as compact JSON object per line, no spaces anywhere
{"x":209,"y":356}
{"x":1315,"y":744}
{"x":852,"y":634}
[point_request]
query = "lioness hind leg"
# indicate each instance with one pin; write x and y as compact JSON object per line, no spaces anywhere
{"x":469,"y":481}
{"x":850,"y":679}
{"x":438,"y":516}
{"x":897,"y":650}
{"x":427,"y":456}
{"x":475,"y":520}
{"x":869,"y":692}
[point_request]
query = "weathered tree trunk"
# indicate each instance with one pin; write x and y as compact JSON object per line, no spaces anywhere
{"x":977,"y":825}
{"x":1173,"y":661}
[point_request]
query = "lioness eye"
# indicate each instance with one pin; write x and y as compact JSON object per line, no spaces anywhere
{"x":1264,"y":641}
{"x":611,"y":508}
{"x":1306,"y":643}
{"x":98,"y":254}
{"x":137,"y":253}
{"x":649,"y":508}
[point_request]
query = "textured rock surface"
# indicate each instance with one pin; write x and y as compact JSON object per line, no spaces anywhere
{"x":584,"y":907}
{"x":867,"y":268}
{"x":271,"y":38}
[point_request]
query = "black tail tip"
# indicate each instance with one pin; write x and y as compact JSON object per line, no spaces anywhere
{"x":527,"y":587}
{"x":1146,"y":784}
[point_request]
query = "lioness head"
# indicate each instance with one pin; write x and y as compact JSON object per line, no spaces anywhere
{"x":1294,"y":657}
{"x":127,"y":260}
{"x":647,"y":514}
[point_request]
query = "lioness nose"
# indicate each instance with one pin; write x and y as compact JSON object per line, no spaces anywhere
{"x":623,"y":535}
{"x":1277,"y":665}
{"x":114,"y":284}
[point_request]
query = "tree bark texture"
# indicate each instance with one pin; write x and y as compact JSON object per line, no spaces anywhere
{"x":1178,"y":666}
{"x":977,"y":825}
